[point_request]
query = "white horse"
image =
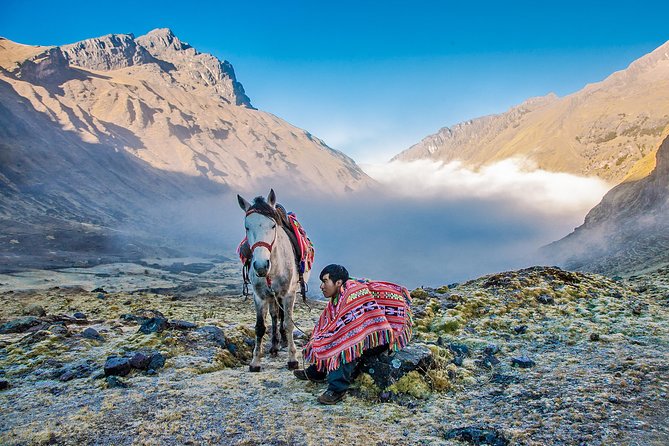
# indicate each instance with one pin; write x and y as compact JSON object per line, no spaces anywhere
{"x":273,"y":274}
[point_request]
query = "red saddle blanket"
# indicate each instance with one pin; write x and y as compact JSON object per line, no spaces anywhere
{"x":304,"y":249}
{"x":367,"y":314}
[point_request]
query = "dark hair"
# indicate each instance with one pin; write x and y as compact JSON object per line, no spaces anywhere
{"x":336,"y":272}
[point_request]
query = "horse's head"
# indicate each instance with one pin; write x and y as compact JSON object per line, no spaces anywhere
{"x":260,"y":223}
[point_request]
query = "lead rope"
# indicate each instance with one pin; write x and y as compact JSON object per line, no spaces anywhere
{"x":247,"y":281}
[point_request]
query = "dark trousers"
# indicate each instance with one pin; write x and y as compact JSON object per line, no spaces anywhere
{"x":340,"y":379}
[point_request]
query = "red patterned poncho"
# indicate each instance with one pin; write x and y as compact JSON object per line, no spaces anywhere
{"x":367,"y":314}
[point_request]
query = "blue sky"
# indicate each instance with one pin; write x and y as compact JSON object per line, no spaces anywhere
{"x":373,"y":77}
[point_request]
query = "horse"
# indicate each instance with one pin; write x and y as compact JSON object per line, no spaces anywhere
{"x":274,"y":276}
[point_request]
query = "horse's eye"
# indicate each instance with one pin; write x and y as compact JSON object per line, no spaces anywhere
{"x":247,"y":229}
{"x":273,"y":226}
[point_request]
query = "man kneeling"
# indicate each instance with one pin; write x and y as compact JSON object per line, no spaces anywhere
{"x":362,"y":318}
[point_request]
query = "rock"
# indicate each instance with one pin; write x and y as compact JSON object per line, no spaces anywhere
{"x":545,"y":299}
{"x":150,"y":372}
{"x":182,"y":325}
{"x":490,"y":349}
{"x":458,"y":360}
{"x":59,"y":329}
{"x":477,"y":435}
{"x":101,"y":295}
{"x":486,"y":362}
{"x":99,"y":290}
{"x":520,"y":329}
{"x":386,"y":368}
{"x":19,"y":325}
{"x":523,"y":362}
{"x":157,"y":361}
{"x":4,"y":385}
{"x":80,"y":371}
{"x":79,"y":315}
{"x":114,"y":382}
{"x":459,"y":349}
{"x":142,"y":316}
{"x":153,"y":325}
{"x":213,"y":334}
{"x":140,"y":361}
{"x":92,"y":333}
{"x":594,"y":337}
{"x":34,"y":310}
{"x":117,"y":366}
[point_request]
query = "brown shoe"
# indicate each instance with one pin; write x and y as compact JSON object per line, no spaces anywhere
{"x":331,"y":397}
{"x":302,"y":374}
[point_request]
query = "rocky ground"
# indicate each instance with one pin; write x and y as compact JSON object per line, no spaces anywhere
{"x":531,"y":357}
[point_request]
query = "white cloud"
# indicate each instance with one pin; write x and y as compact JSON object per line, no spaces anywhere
{"x":509,"y":180}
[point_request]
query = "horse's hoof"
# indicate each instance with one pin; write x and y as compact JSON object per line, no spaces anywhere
{"x":293,"y":365}
{"x":254,"y":368}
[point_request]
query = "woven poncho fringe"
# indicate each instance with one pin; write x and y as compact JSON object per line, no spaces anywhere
{"x":367,"y":315}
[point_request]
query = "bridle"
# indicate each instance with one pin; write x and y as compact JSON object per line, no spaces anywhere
{"x":263,"y":244}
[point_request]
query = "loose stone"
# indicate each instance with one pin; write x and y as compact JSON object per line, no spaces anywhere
{"x":117,"y":366}
{"x":92,"y":333}
{"x":523,"y":362}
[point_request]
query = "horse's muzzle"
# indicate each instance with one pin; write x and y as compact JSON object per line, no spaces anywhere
{"x":261,"y":267}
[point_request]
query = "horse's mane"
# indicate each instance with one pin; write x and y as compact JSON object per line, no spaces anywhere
{"x":263,"y":208}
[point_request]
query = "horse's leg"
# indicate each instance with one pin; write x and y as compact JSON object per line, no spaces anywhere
{"x":282,"y":327}
{"x":261,"y":315}
{"x":274,"y":312}
{"x":288,"y":304}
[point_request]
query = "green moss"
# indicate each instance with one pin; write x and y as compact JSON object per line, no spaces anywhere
{"x":412,"y":384}
{"x":366,"y":387}
{"x":419,"y":294}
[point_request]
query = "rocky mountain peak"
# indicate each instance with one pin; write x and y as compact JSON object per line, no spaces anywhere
{"x":106,"y":53}
{"x":161,"y":39}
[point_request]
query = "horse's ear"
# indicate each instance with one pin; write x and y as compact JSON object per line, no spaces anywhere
{"x":245,"y":205}
{"x":271,"y":198}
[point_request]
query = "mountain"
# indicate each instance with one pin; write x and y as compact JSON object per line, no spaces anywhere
{"x":102,"y":131}
{"x":603,"y":130}
{"x":628,"y":231}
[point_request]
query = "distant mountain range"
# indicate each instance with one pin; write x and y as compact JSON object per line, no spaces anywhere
{"x":608,"y":129}
{"x":99,"y":131}
{"x":628,"y":231}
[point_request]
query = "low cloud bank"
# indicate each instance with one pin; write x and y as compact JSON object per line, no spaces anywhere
{"x":428,"y":224}
{"x":511,"y":179}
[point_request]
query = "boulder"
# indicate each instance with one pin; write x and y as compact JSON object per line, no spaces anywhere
{"x":157,"y":361}
{"x":386,"y":368}
{"x":92,"y":333}
{"x":477,"y":435}
{"x":113,"y":382}
{"x":140,"y":361}
{"x":213,"y":334}
{"x":19,"y":325}
{"x":79,"y":315}
{"x":147,"y":360}
{"x":182,"y":325}
{"x":523,"y":362}
{"x":79,"y":371}
{"x":153,"y":325}
{"x":117,"y":366}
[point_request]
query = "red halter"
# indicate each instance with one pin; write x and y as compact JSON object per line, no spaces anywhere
{"x":263,"y":244}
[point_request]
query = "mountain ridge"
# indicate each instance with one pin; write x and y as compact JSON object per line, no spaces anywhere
{"x":602,"y":130}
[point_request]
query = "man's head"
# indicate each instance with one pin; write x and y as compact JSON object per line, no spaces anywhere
{"x":332,"y":278}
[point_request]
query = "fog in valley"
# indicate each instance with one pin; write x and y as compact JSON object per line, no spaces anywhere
{"x":428,"y":224}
